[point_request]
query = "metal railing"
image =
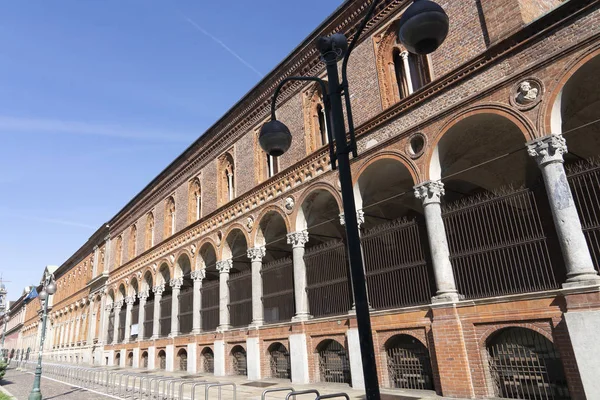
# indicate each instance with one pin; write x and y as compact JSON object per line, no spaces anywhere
{"x":240,"y":298}
{"x":165,"y":315}
{"x":397,"y":272}
{"x":327,"y":279}
{"x":186,"y":302}
{"x":278,"y":290}
{"x":209,"y":311}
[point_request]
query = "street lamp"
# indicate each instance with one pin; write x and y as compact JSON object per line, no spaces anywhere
{"x":5,"y":319}
{"x":48,"y":290}
{"x":422,"y":29}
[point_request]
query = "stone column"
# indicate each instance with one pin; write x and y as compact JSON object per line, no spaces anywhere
{"x":176,"y":287}
{"x":117,"y":310}
{"x":548,"y":153}
{"x":143,"y":296}
{"x":197,"y":276}
{"x":224,"y":267}
{"x":158,"y":291}
{"x":256,"y":255}
{"x":95,"y":261}
{"x":105,"y":323}
{"x":77,"y":329}
{"x":431,"y":193}
{"x":406,"y":66}
{"x":129,"y":302}
{"x":298,"y":240}
{"x":91,"y":321}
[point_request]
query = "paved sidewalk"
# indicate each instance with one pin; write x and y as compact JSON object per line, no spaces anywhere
{"x":19,"y":384}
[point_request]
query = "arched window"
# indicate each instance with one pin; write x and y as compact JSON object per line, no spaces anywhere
{"x":315,"y":119}
{"x":169,"y":216}
{"x":238,"y":361}
{"x":119,"y":251}
{"x":408,"y":363}
{"x":149,"y":230}
{"x":162,"y":360}
{"x":208,"y":360}
{"x":334,"y":365}
{"x":195,"y":201}
{"x":145,"y":359}
{"x":279,"y":361}
{"x":400,"y":73}
{"x":226,"y":182}
{"x":132,"y":241}
{"x":266,"y":165}
{"x":182,"y":358}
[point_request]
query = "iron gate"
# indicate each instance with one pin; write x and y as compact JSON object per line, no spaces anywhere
{"x":117,"y":359}
{"x":165,"y":316}
{"x":584,"y":179}
{"x":408,"y":363}
{"x":525,"y":365}
{"x":148,"y":318}
{"x":111,"y":327}
{"x":121,"y":330}
{"x":208,"y":361}
{"x":145,"y":359}
{"x":183,"y":360}
{"x":210,"y":305}
{"x":280,"y":362}
{"x":333,"y":363}
{"x":186,"y":310}
{"x":278,"y":290}
{"x":162,"y":360}
{"x":327,"y":281}
{"x":240,"y":298}
{"x":396,"y":270}
{"x":130,"y":360}
{"x":239,"y":362}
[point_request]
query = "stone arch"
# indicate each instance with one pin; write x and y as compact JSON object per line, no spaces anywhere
{"x":492,"y":330}
{"x":268,"y":210}
{"x":207,"y":357}
{"x":163,"y":273}
{"x":182,"y":360}
{"x":279,"y":361}
{"x":299,"y":215}
{"x":147,"y":279}
{"x":226,"y":180}
{"x":183,"y":265}
{"x":122,"y":291}
{"x":333,"y":361}
{"x":235,"y":233}
{"x":133,"y":287}
{"x":206,"y":258}
{"x":239,"y":361}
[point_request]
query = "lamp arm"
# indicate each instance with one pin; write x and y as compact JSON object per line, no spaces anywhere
{"x":294,"y":78}
{"x":359,"y":31}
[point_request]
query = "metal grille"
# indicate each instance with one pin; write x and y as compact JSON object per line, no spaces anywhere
{"x":186,"y":313}
{"x":208,"y":361}
{"x":118,"y":358}
{"x":238,"y":358}
{"x":182,"y":360}
{"x":121,"y":330}
{"x":240,"y":298}
{"x":210,"y":305}
{"x":280,"y":362}
{"x":408,"y":364}
{"x":333,"y":363}
{"x":584,"y":180}
{"x":148,"y":318}
{"x":130,"y":360}
{"x":278,"y":290}
{"x":111,"y":327}
{"x":327,"y":279}
{"x":145,"y":359}
{"x":135,"y":316}
{"x":162,"y":360}
{"x":498,"y":245}
{"x":165,"y":316}
{"x":396,"y":271}
{"x":525,"y":365}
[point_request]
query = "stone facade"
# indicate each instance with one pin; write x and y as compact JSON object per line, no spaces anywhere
{"x":457,"y":123}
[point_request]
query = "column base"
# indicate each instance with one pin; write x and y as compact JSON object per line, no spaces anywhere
{"x":196,"y":331}
{"x":154,"y":337}
{"x":222,"y":328}
{"x":451,"y":297}
{"x":581,"y":280}
{"x":257,"y":324}
{"x":301,"y":317}
{"x":174,"y":334}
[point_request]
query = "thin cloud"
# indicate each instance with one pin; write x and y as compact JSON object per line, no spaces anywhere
{"x":55,"y":221}
{"x":9,"y":124}
{"x":223,"y":45}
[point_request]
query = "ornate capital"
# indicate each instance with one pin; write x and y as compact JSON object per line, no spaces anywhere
{"x":108,"y":307}
{"x":159,"y":289}
{"x":176,"y":283}
{"x":404,"y":55}
{"x":198,"y":275}
{"x":548,"y":149}
{"x":360,"y":218}
{"x":429,"y":192}
{"x":224,"y":266}
{"x":118,"y":305}
{"x":130,"y":300}
{"x":298,"y":239}
{"x":143,"y":296}
{"x":256,"y":254}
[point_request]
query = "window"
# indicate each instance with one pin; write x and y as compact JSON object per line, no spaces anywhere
{"x":400,"y":73}
{"x":119,"y":251}
{"x":149,"y":230}
{"x":226,"y":182}
{"x":169,"y":216}
{"x":195,"y":201}
{"x":132,"y":241}
{"x":315,"y":119}
{"x":266,"y":166}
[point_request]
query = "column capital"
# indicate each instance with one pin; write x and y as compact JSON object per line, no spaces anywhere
{"x":256,"y":254}
{"x":130,"y":300}
{"x":298,"y":239}
{"x":360,"y":218}
{"x":159,"y":289}
{"x":143,"y":296}
{"x":198,"y":275}
{"x":430,"y":192}
{"x":176,"y":283}
{"x":548,"y":149}
{"x":118,"y":305}
{"x":404,"y":55}
{"x":108,"y":307}
{"x":224,"y":266}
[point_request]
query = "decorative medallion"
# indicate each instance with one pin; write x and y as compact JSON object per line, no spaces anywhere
{"x":288,"y":204}
{"x":416,"y":145}
{"x":527,"y":93}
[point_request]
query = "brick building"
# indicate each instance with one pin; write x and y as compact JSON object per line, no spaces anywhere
{"x":480,"y":232}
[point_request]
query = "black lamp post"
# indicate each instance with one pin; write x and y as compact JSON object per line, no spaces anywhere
{"x":49,"y":289}
{"x":423,"y":28}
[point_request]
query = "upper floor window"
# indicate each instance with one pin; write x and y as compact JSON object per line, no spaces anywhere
{"x":169,"y":216}
{"x":149,"y":234}
{"x":132,"y":241}
{"x":267,"y":166}
{"x":195,"y":201}
{"x":226,"y":182}
{"x":315,"y":119}
{"x":400,"y":73}
{"x":119,"y":251}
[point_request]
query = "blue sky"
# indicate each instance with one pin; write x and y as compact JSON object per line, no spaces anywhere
{"x":97,"y":97}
